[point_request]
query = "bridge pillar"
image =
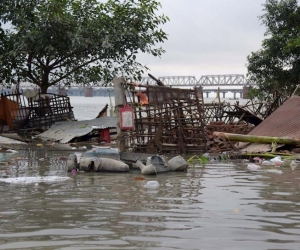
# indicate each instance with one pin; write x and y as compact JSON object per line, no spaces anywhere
{"x":245,"y":91}
{"x":61,"y":91}
{"x":88,"y":92}
{"x":207,"y":93}
{"x":199,"y":92}
{"x":224,"y":94}
{"x":234,"y":95}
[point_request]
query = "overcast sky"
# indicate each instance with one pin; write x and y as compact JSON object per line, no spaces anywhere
{"x":208,"y":37}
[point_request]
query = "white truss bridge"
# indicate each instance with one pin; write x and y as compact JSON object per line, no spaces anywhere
{"x":234,"y":80}
{"x":204,"y":81}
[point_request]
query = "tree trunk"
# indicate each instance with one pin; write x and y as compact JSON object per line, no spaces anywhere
{"x":45,"y":83}
{"x":44,"y":89}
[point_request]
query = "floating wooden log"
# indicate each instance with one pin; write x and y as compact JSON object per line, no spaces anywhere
{"x":257,"y":139}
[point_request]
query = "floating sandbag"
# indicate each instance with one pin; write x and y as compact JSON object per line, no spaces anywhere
{"x":95,"y":164}
{"x":111,"y":165}
{"x":146,"y":169}
{"x":177,"y":163}
{"x":158,"y":162}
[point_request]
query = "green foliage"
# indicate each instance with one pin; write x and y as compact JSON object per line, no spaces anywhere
{"x":276,"y":66}
{"x":50,"y":42}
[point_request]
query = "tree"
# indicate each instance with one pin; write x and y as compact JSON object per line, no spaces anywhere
{"x":50,"y":42}
{"x":276,"y":66}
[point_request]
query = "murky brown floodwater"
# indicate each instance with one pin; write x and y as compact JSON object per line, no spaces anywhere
{"x":218,"y":206}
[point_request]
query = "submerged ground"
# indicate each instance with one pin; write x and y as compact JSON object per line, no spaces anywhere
{"x":216,"y":206}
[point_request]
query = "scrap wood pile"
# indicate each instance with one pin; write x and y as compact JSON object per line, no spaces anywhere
{"x":232,"y":127}
{"x":281,"y":129}
{"x":265,"y":107}
{"x":217,"y":144}
{"x":166,"y":120}
{"x":236,"y":119}
{"x":228,"y":113}
{"x":225,"y":117}
{"x":214,"y":112}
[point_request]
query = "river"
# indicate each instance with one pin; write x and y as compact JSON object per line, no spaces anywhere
{"x":220,"y":205}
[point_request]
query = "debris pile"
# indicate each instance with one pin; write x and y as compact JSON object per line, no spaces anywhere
{"x":281,"y":129}
{"x":33,"y":110}
{"x":166,"y":120}
{"x":217,"y":144}
{"x":158,"y":119}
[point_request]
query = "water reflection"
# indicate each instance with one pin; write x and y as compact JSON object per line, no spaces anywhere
{"x":211,"y":207}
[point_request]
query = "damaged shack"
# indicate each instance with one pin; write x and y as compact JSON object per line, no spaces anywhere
{"x":166,"y":120}
{"x":31,"y":110}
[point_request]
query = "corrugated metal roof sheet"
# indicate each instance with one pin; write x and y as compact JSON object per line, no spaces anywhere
{"x":283,"y":122}
{"x":5,"y":140}
{"x":66,"y":131}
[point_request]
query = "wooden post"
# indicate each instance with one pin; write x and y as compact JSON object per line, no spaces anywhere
{"x":119,"y":102}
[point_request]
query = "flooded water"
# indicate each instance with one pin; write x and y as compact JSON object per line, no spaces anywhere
{"x":216,"y":206}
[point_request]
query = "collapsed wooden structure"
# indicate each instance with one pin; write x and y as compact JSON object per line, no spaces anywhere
{"x":166,"y":120}
{"x":35,"y":111}
{"x":177,"y":121}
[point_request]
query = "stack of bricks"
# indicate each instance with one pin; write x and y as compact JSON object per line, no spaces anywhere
{"x":216,"y":144}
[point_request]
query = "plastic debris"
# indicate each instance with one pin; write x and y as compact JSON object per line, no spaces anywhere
{"x":293,"y":165}
{"x":257,"y":160}
{"x":267,"y":163}
{"x":11,"y":151}
{"x":253,"y":167}
{"x":152,"y":184}
{"x":277,"y":160}
{"x":274,"y":171}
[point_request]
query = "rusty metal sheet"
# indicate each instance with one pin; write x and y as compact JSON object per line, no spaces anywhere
{"x":283,"y":122}
{"x":66,"y":131}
